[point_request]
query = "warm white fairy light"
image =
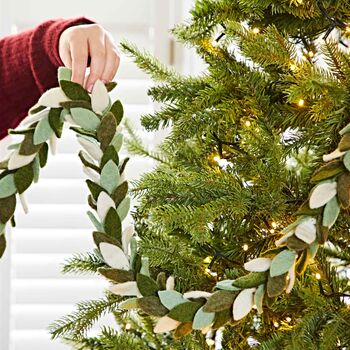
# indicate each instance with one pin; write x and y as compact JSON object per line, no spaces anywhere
{"x":293,"y":67}
{"x":347,"y":29}
{"x":276,"y":324}
{"x":128,"y":326}
{"x":245,"y":247}
{"x":288,"y":319}
{"x":217,"y":159}
{"x":207,"y":260}
{"x":301,"y":103}
{"x":311,"y":54}
{"x":272,"y":231}
{"x":248,"y":123}
{"x":318,"y":276}
{"x":274,"y":225}
{"x":210,"y":342}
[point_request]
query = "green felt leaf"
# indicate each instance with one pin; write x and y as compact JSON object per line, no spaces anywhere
{"x":294,"y":243}
{"x":276,"y":285}
{"x":96,"y":223}
{"x":346,"y":160}
{"x":106,"y":130}
{"x":100,"y":237}
{"x":74,"y":91}
{"x":152,"y":306}
{"x":305,"y":209}
{"x":94,"y":188}
{"x":227,"y":285}
{"x":302,"y":262}
{"x":219,"y":301}
{"x":88,"y":120}
{"x":117,"y":141}
{"x":110,"y":176}
{"x":222,"y":317}
{"x":4,"y":164}
{"x":118,"y":111}
{"x":64,"y":73}
{"x":43,"y":153}
{"x":116,"y":275}
{"x":2,"y":245}
{"x":343,"y":190}
{"x":145,"y":266}
{"x":345,"y":130}
{"x":182,"y":330}
{"x":43,"y":131}
{"x":331,"y":212}
{"x":251,"y":280}
{"x":146,"y":285}
{"x":161,"y":280}
{"x":128,"y":304}
{"x":171,"y":298}
{"x":7,"y":186}
{"x":92,"y":202}
{"x":119,"y":193}
{"x":68,"y":105}
{"x":203,"y":319}
{"x":110,"y":153}
{"x":36,"y":109}
{"x":123,"y":165}
{"x":110,"y":85}
{"x":83,"y":132}
{"x":7,"y":208}
{"x":184,"y":312}
{"x":27,"y":146}
{"x":123,"y":208}
{"x":133,"y":252}
{"x":21,"y":131}
{"x":113,"y":225}
{"x":259,"y":297}
{"x":55,"y":121}
{"x":87,"y":163}
{"x":344,"y":144}
{"x":328,"y":171}
{"x":282,"y":262}
{"x":36,"y":169}
{"x":23,"y":178}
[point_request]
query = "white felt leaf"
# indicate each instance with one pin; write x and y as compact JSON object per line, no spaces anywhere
{"x":23,"y":202}
{"x":53,"y":144}
{"x":91,"y":148}
{"x":171,"y":298}
{"x":195,"y":294}
{"x":7,"y":186}
{"x":165,"y":324}
{"x":18,"y":160}
{"x":91,"y":174}
{"x":123,"y":208}
{"x":88,"y":157}
{"x":99,"y":97}
{"x":306,"y":230}
{"x":243,"y":303}
{"x":259,"y":297}
{"x":114,"y":256}
{"x":282,"y":262}
{"x":43,"y":131}
{"x":126,"y":237}
{"x":291,"y":281}
{"x":126,"y":289}
{"x":322,"y":193}
{"x":104,"y":203}
{"x":52,"y":98}
{"x":85,"y":118}
{"x":203,"y":319}
{"x":170,"y":283}
{"x":258,"y":265}
{"x":335,"y":154}
{"x":30,"y":119}
{"x":227,"y":285}
{"x":110,"y":176}
{"x":68,"y":118}
{"x":284,"y":238}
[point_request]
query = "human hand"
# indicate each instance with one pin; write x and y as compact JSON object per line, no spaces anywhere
{"x":78,"y":43}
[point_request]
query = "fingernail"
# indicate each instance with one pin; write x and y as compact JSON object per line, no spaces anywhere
{"x":104,"y":81}
{"x":90,"y":87}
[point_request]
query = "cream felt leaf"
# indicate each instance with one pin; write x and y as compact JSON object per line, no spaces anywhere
{"x":91,"y":147}
{"x":306,"y":230}
{"x":52,"y":98}
{"x":284,"y":238}
{"x":43,"y":131}
{"x":88,"y":120}
{"x":195,"y":294}
{"x":92,"y":175}
{"x":170,"y":283}
{"x":258,"y":265}
{"x":126,"y":289}
{"x":171,"y":298}
{"x":282,"y":262}
{"x":23,"y":202}
{"x":17,"y":160}
{"x":7,"y":186}
{"x":331,"y":212}
{"x":259,"y":297}
{"x":126,"y":237}
{"x":114,"y":256}
{"x":165,"y":324}
{"x":123,"y":208}
{"x":30,"y":119}
{"x":243,"y":303}
{"x":110,"y":176}
{"x":128,"y":304}
{"x":53,"y":144}
{"x":322,"y":193}
{"x":99,"y":97}
{"x":335,"y":154}
{"x":291,"y":281}
{"x":104,"y":203}
{"x":203,"y":319}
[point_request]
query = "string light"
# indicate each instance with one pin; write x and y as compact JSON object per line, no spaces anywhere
{"x":311,"y":54}
{"x":347,"y":29}
{"x":288,"y":319}
{"x":210,"y":342}
{"x":276,"y":324}
{"x":128,"y":326}
{"x":245,"y":247}
{"x":248,"y":123}
{"x":256,"y":30}
{"x":301,"y":103}
{"x":272,"y":231}
{"x":273,"y":224}
{"x":318,"y":276}
{"x":293,"y":67}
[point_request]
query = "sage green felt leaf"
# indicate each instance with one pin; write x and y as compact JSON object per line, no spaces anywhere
{"x":7,"y":186}
{"x":23,"y":178}
{"x":74,"y":91}
{"x":94,"y":188}
{"x":116,"y":275}
{"x":203,"y":319}
{"x":259,"y":297}
{"x":68,"y":105}
{"x":346,"y":160}
{"x":128,"y":304}
{"x":276,"y":285}
{"x":111,"y":85}
{"x":282,"y":262}
{"x":83,"y":132}
{"x":145,"y":266}
{"x":7,"y":208}
{"x":27,"y":146}
{"x":331,"y":212}
{"x":117,"y":141}
{"x":119,"y":193}
{"x":110,"y":153}
{"x":100,"y":237}
{"x":106,"y":130}
{"x":113,"y":225}
{"x":171,"y":298}
{"x":88,"y":120}
{"x":123,"y":208}
{"x":43,"y":131}
{"x":118,"y":111}
{"x":64,"y":73}
{"x":328,"y":171}
{"x":222,"y":317}
{"x":146,"y":285}
{"x":184,"y":312}
{"x":110,"y":176}
{"x":55,"y":121}
{"x":43,"y":153}
{"x":219,"y":301}
{"x":152,"y":306}
{"x":2,"y":244}
{"x":227,"y":285}
{"x":96,"y":223}
{"x":252,"y":279}
{"x":345,"y":130}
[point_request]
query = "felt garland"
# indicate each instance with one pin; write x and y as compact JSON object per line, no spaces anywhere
{"x":95,"y":120}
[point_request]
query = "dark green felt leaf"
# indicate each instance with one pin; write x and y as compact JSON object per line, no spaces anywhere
{"x":182,"y":330}
{"x":27,"y":146}
{"x":116,"y":275}
{"x":106,"y":130}
{"x":119,"y":193}
{"x":55,"y":121}
{"x":76,"y":104}
{"x":251,"y":280}
{"x":152,"y":306}
{"x":74,"y":91}
{"x":276,"y":285}
{"x":7,"y":208}
{"x":110,"y":85}
{"x":92,"y":202}
{"x":83,"y":132}
{"x":24,"y":177}
{"x":146,"y":285}
{"x":94,"y":188}
{"x":222,"y":317}
{"x":161,"y":280}
{"x":344,"y":144}
{"x":343,"y":190}
{"x":113,"y":225}
{"x":327,"y":171}
{"x":219,"y":301}
{"x":100,"y":237}
{"x":2,"y":244}
{"x":295,"y":243}
{"x":43,"y":153}
{"x":118,"y":111}
{"x":123,"y":165}
{"x":22,"y":131}
{"x":36,"y":109}
{"x":184,"y":312}
{"x":109,"y":154}
{"x":87,"y":163}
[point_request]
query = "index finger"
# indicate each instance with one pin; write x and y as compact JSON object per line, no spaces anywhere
{"x":79,"y":54}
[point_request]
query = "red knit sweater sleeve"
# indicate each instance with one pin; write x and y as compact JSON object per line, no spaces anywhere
{"x":28,"y":67}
